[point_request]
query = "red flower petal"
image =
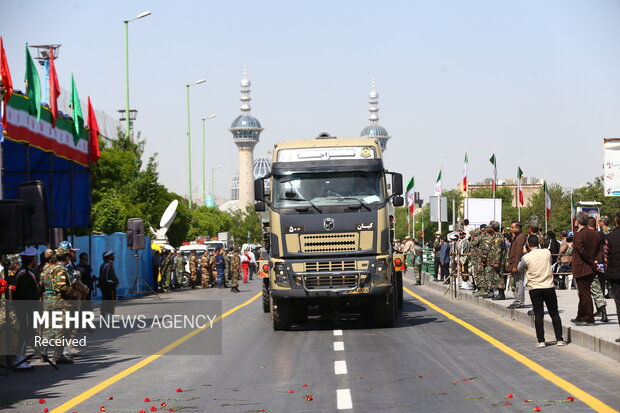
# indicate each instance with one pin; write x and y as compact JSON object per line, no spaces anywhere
{"x":13,"y":287}
{"x":46,"y":410}
{"x":163,"y":404}
{"x":142,"y":411}
{"x":309,"y":397}
{"x":291,"y":391}
{"x":179,"y":390}
{"x":146,"y":400}
{"x":571,"y":398}
{"x":153,"y":409}
{"x":102,"y":409}
{"x":507,"y":403}
{"x":305,"y":385}
{"x":110,"y":398}
{"x":41,"y":401}
{"x":537,"y":408}
{"x":527,"y":401}
{"x":510,"y":395}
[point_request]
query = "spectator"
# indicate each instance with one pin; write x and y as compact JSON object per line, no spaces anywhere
{"x":436,"y":248}
{"x":554,"y":246}
{"x":585,"y":252}
{"x":515,"y":253}
{"x":107,"y":284}
{"x":565,"y":258}
{"x":613,"y":264}
{"x":537,"y":266}
{"x":444,"y":260}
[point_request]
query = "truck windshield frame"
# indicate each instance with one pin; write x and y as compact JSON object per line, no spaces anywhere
{"x":320,"y":189}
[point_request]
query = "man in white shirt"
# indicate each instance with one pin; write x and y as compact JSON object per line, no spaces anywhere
{"x":539,"y":278}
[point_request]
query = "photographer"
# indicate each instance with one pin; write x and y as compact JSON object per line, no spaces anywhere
{"x":537,"y":266}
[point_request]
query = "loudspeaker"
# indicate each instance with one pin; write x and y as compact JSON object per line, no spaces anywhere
{"x":11,"y":226}
{"x":135,"y":233}
{"x":35,"y":212}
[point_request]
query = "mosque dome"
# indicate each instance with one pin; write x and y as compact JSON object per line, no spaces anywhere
{"x":374,"y":130}
{"x":245,"y":121}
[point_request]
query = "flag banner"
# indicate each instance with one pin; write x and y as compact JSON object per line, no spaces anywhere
{"x":54,"y":88}
{"x":519,"y":187}
{"x":465,"y":173}
{"x":33,"y":85}
{"x":22,"y":126}
{"x":547,"y":201}
{"x":494,"y":162}
{"x":93,"y":133}
{"x":76,"y":112}
{"x":7,"y":84}
{"x":438,"y":185}
{"x":410,"y":196}
{"x":573,"y":206}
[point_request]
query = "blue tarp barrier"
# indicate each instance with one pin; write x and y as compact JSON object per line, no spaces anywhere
{"x":124,"y":263}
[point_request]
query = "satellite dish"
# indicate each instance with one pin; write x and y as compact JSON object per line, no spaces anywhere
{"x":169,"y":214}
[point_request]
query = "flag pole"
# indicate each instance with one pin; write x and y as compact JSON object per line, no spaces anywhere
{"x":518,"y":194}
{"x":494,"y":182}
{"x":439,"y":199}
{"x":546,"y":194}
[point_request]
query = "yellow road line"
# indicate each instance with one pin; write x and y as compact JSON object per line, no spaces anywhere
{"x":573,"y":390}
{"x":106,"y":383}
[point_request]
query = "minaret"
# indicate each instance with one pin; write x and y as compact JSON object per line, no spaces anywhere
{"x":374,"y":130}
{"x":246,"y":130}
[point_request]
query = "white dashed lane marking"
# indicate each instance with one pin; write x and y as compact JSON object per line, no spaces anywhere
{"x":338,"y":346}
{"x":344,"y":399}
{"x":337,"y":332}
{"x":340,"y":367}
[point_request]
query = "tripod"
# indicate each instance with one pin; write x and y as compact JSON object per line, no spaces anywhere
{"x":135,"y":288}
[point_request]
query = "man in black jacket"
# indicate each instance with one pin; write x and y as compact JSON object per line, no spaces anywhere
{"x":26,"y":297}
{"x":612,"y":274}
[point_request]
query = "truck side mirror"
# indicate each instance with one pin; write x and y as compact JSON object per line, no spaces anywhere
{"x":398,"y":201}
{"x":259,"y":206}
{"x":397,"y":184}
{"x":259,"y":190}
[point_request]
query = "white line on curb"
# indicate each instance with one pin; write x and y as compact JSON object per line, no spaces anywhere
{"x":337,"y":332}
{"x":338,"y":346}
{"x":344,"y":399}
{"x":340,"y":367}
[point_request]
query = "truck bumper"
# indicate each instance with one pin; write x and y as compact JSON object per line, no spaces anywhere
{"x":340,"y":294}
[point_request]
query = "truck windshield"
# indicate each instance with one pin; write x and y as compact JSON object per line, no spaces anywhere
{"x":320,"y":189}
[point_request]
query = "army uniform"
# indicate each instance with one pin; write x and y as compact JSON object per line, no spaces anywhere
{"x":482,"y":240}
{"x":204,"y":262}
{"x":166,"y":270}
{"x":417,"y":263}
{"x":193,"y":269}
{"x":235,"y":269}
{"x":496,"y":249}
{"x":56,"y":286}
{"x":473,"y":258}
{"x":179,"y":267}
{"x":212,"y":270}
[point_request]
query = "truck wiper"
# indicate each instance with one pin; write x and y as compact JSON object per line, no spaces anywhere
{"x":302,"y":199}
{"x":362,"y":203}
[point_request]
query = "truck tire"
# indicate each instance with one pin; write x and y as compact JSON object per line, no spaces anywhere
{"x":281,"y":310}
{"x":399,"y":289}
{"x":385,"y":309}
{"x":266,"y":303}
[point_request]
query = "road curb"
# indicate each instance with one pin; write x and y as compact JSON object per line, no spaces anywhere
{"x":576,"y":337}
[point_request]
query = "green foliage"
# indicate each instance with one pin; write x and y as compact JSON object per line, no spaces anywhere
{"x":109,"y":214}
{"x":244,"y":223}
{"x":208,"y":221}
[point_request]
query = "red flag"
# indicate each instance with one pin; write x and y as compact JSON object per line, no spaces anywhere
{"x":7,"y":82}
{"x":54,"y":88}
{"x":94,"y":134}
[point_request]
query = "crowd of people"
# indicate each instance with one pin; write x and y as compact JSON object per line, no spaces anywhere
{"x":486,"y":260}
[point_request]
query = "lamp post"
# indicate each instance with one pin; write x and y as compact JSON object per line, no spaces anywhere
{"x":139,"y":16}
{"x":189,"y":142}
{"x":204,"y":188}
{"x":213,"y":180}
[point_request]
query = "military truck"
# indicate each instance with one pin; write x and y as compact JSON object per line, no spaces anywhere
{"x":328,"y":227}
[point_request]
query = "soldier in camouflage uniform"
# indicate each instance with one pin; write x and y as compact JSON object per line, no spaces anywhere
{"x":417,"y":263}
{"x":204,"y":269}
{"x":212,"y":270}
{"x":496,"y":253}
{"x":193,"y":269}
{"x":179,"y":267}
{"x":235,"y":268}
{"x":166,"y":270}
{"x":56,"y":287}
{"x":478,"y":246}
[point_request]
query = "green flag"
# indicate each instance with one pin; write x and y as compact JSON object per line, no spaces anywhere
{"x":76,"y":112}
{"x":33,"y":85}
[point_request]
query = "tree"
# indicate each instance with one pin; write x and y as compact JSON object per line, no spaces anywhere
{"x":208,"y":221}
{"x":246,"y":226}
{"x":509,"y":211}
{"x":109,"y":214}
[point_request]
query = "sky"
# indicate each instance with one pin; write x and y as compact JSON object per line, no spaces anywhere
{"x":536,"y":81}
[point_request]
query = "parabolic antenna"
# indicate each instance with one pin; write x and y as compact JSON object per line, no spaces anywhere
{"x":169,"y":214}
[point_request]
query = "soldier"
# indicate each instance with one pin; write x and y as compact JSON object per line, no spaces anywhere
{"x":212,"y":269}
{"x":417,"y":262}
{"x":193,"y":269}
{"x":496,"y":251}
{"x":204,"y":269}
{"x":235,"y":268}
{"x":166,"y":270}
{"x":179,"y":267}
{"x":56,"y":290}
{"x":463,"y":249}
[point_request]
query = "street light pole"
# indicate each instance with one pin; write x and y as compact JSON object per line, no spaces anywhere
{"x":213,"y":180}
{"x":189,"y":142}
{"x":204,"y":188}
{"x":139,"y":16}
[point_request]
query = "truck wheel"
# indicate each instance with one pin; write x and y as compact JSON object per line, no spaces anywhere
{"x":281,"y":313}
{"x":266,"y":304}
{"x":385,"y":310}
{"x":399,"y":289}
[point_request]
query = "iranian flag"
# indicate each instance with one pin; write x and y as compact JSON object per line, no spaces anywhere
{"x":519,"y":187}
{"x":410,"y":196}
{"x":494,"y":162}
{"x":573,"y":209}
{"x":465,"y":172}
{"x":547,"y":201}
{"x":93,"y":146}
{"x":438,"y":185}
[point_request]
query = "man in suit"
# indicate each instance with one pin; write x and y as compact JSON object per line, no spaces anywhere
{"x":586,"y":251}
{"x":613,"y":264}
{"x":514,"y":257}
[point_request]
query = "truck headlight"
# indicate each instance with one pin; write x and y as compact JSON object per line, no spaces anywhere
{"x":281,"y":275}
{"x":380,"y":271}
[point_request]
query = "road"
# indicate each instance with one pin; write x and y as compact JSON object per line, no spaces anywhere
{"x":427,"y":362}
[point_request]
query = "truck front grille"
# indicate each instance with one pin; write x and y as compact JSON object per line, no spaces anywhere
{"x":329,"y":266}
{"x":331,"y":281}
{"x":329,"y":242}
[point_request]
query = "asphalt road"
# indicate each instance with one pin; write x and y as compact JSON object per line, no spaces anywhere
{"x":426,"y":363}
